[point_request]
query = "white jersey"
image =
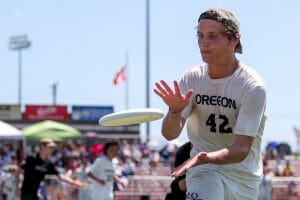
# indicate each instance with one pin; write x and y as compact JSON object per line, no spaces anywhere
{"x":103,"y":169}
{"x":221,"y":108}
{"x":9,"y":185}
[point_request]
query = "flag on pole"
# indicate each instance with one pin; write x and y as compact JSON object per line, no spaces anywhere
{"x":120,"y":76}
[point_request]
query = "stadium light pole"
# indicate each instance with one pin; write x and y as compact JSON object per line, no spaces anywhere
{"x":147,"y":65}
{"x":54,"y":92}
{"x":18,"y":43}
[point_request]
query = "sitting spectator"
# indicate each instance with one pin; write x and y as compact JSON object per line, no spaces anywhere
{"x":271,"y":151}
{"x":165,"y":154}
{"x":154,"y":158}
{"x":278,"y":168}
{"x":288,"y":170}
{"x":267,"y":169}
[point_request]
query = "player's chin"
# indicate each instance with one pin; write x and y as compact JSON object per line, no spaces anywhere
{"x":206,"y":57}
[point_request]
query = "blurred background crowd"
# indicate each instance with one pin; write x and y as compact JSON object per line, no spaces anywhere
{"x":135,"y":164}
{"x":74,"y":158}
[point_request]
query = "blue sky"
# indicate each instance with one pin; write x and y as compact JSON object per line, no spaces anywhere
{"x":81,"y":44}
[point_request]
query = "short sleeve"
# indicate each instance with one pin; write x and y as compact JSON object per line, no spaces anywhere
{"x":96,"y":167}
{"x":52,"y":170}
{"x":29,"y":162}
{"x":184,"y":87}
{"x":252,"y":112}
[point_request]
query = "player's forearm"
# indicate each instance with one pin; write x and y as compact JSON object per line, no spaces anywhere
{"x":69,"y":180}
{"x":172,"y":126}
{"x":233,"y":154}
{"x":117,"y":179}
{"x":93,"y":177}
{"x":228,"y":155}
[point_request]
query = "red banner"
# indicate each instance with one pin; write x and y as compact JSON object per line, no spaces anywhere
{"x":42,"y":112}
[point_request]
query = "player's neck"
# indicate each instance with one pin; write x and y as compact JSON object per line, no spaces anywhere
{"x":109,"y":157}
{"x":222,"y":69}
{"x":43,"y":155}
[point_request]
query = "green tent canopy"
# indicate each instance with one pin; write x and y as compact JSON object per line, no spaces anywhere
{"x":50,"y":129}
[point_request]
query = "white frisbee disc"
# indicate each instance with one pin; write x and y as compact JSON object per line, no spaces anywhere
{"x":130,"y":117}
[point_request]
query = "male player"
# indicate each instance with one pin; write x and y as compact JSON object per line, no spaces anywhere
{"x":37,"y":167}
{"x":103,"y":174}
{"x":223,"y":102}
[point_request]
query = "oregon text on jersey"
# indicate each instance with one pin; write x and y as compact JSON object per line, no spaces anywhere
{"x":215,"y":101}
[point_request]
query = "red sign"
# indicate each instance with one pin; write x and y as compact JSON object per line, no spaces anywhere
{"x":42,"y":112}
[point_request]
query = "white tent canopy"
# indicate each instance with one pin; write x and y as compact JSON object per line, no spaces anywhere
{"x":9,"y":132}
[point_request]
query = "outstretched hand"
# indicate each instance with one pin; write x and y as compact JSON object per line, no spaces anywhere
{"x":200,"y":158}
{"x":84,"y":185}
{"x":173,"y":98}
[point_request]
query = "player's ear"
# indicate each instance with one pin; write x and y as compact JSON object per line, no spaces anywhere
{"x":236,"y":39}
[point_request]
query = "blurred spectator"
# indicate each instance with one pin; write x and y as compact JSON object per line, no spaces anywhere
{"x":292,"y":189}
{"x":283,"y":149}
{"x":154,"y":158}
{"x":102,"y":173}
{"x":9,"y":182}
{"x":136,"y":153}
{"x":81,"y":173}
{"x":288,"y":170}
{"x":178,"y":185}
{"x":144,"y":150}
{"x":278,"y":168}
{"x":7,"y":155}
{"x":125,"y":167}
{"x":265,"y":187}
{"x":36,"y":168}
{"x":2,"y":174}
{"x":122,"y":172}
{"x":72,"y":164}
{"x":267,"y":169}
{"x":271,"y":151}
{"x":126,"y":149}
{"x":165,"y":154}
{"x":51,"y":188}
{"x":96,"y":151}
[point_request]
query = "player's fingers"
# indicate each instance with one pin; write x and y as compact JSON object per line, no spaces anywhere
{"x":178,"y":171}
{"x":159,"y":93}
{"x":188,"y":95}
{"x":174,"y":173}
{"x":161,"y":89}
{"x":177,"y":90}
{"x":181,"y":169}
{"x":201,"y":158}
{"x":167,"y":87}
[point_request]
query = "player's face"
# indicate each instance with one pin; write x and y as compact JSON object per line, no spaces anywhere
{"x":47,"y":150}
{"x":213,"y":42}
{"x":112,"y":151}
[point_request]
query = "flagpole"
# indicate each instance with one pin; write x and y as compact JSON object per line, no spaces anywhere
{"x":127,"y":80}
